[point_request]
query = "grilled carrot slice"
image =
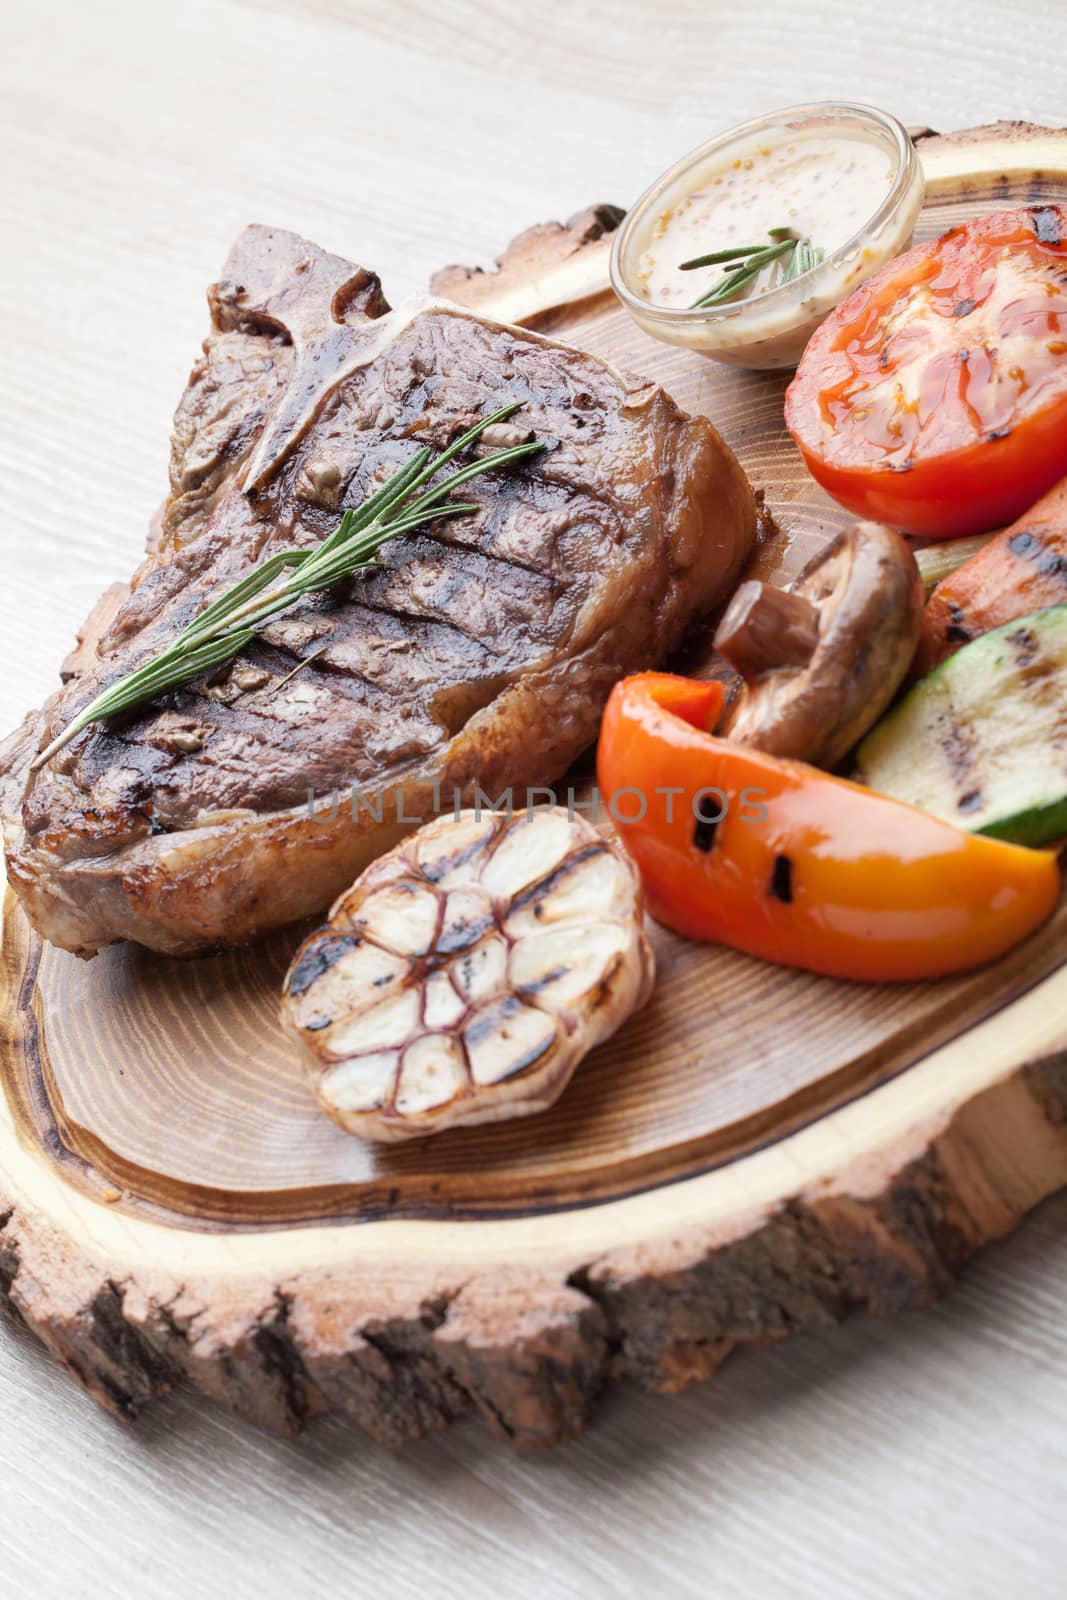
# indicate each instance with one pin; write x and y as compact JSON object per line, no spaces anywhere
{"x":1024,"y":569}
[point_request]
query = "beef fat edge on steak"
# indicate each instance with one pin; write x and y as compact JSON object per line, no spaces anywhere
{"x":479,"y":652}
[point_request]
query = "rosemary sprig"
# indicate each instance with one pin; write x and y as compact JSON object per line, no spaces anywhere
{"x":715,"y":256}
{"x":796,"y":255}
{"x":751,"y":252}
{"x":230,"y":622}
{"x":805,"y":256}
{"x":729,"y":286}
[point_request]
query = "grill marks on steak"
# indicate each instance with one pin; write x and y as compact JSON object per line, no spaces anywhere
{"x":480,"y":651}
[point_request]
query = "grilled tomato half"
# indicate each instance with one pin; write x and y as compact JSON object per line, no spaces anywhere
{"x":935,"y":397}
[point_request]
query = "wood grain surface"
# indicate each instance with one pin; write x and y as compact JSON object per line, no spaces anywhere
{"x":922,"y":1461}
{"x":174,"y":1081}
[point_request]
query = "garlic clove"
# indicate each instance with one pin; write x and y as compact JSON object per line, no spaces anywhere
{"x":506,"y":1038}
{"x":432,"y":1073}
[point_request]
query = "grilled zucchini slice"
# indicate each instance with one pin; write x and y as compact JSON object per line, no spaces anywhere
{"x":982,"y":741}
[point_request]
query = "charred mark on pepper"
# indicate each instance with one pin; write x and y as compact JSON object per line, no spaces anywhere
{"x":706,"y":828}
{"x":704,"y":834}
{"x":998,"y":433}
{"x":782,"y":880}
{"x":964,"y":307}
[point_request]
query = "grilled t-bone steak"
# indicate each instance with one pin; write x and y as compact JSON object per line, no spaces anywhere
{"x":480,"y":653}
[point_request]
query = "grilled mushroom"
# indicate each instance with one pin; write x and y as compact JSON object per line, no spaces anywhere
{"x":822,"y":660}
{"x":465,"y":974}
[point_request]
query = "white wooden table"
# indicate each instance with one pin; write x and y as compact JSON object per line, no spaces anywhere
{"x":924,"y":1457}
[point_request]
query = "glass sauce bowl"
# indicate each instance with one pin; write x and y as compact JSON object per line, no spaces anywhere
{"x":770,"y":329}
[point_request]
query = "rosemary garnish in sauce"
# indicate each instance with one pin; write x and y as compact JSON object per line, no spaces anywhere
{"x":227,"y":624}
{"x":742,"y":263}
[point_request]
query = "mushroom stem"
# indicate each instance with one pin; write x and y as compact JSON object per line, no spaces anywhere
{"x":765,"y":629}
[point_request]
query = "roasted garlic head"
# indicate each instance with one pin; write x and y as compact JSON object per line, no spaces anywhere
{"x":465,"y":974}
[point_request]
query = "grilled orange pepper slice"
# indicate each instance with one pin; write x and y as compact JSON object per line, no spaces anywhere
{"x":794,"y":865}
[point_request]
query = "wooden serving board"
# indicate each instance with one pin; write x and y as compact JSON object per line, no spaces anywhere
{"x":758,"y":1150}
